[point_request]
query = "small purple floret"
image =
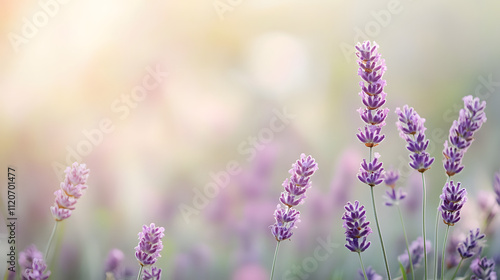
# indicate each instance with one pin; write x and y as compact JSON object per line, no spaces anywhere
{"x":370,"y":173}
{"x":38,"y":271}
{"x":153,"y":273}
{"x":356,"y":227}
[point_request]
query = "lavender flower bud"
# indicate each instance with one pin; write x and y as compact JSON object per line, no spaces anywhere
{"x":71,"y":189}
{"x":483,"y":269}
{"x":294,"y":194}
{"x":371,"y":274}
{"x":371,"y":69}
{"x":150,"y":244}
{"x":412,"y":130}
{"x":453,"y":199}
{"x":470,"y":246}
{"x":496,"y":186}
{"x":37,"y":270}
{"x":416,"y":252}
{"x":371,"y":173}
{"x":470,"y":120}
{"x":356,"y":227}
{"x":153,"y":273}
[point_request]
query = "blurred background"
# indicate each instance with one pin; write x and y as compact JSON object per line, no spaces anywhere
{"x":161,"y":99}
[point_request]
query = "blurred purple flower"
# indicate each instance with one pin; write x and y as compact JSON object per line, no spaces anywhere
{"x":452,"y":256}
{"x":469,"y":247}
{"x":393,"y":196}
{"x":294,"y":194}
{"x":152,"y":273}
{"x":38,"y":270}
{"x":71,"y":189}
{"x":483,"y":269}
{"x":356,"y":227}
{"x":371,"y":69}
{"x":371,"y":274}
{"x":470,"y":119}
{"x":412,"y":130}
{"x":416,"y":252}
{"x":496,"y":186}
{"x":27,"y":256}
{"x":371,"y":173}
{"x":391,"y":177}
{"x":113,"y":262}
{"x":453,"y":199}
{"x":150,"y":244}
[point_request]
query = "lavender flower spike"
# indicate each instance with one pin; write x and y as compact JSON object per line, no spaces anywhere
{"x":470,"y":246}
{"x":453,"y":199}
{"x":371,"y":173}
{"x":152,"y":274}
{"x":356,"y":227}
{"x":71,"y":190}
{"x":470,"y":120}
{"x":371,"y":70}
{"x":496,"y":186}
{"x":150,"y":244}
{"x":483,"y":269}
{"x":412,"y":130}
{"x":294,"y":194}
{"x":417,"y":253}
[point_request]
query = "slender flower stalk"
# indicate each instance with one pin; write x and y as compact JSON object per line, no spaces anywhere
{"x":392,"y":199}
{"x":356,"y":229}
{"x":412,"y":130}
{"x":461,"y":136}
{"x":483,"y":269}
{"x":150,"y":245}
{"x":496,"y":186}
{"x":295,"y":188}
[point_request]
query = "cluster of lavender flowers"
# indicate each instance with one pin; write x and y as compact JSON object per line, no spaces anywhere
{"x":32,"y":264}
{"x":416,"y":252}
{"x":393,"y":195}
{"x":453,"y":199}
{"x":470,"y":120}
{"x":356,"y":227}
{"x":71,"y":190}
{"x":148,"y":250}
{"x":294,"y":194}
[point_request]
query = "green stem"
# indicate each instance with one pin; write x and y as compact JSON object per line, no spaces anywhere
{"x":380,"y":234}
{"x":274,"y":260}
{"x":444,"y":250}
{"x":406,"y":241}
{"x":50,"y":242}
{"x":362,"y":266}
{"x":436,"y":226}
{"x":423,"y":224}
{"x":458,"y":267}
{"x":140,"y":272}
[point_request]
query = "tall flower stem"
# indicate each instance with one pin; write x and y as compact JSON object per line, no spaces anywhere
{"x":362,"y":266}
{"x":140,"y":273}
{"x":50,"y":241}
{"x":274,"y":260}
{"x":406,"y":241}
{"x":378,"y":227}
{"x":423,"y":224}
{"x":444,"y":250}
{"x":458,"y":267}
{"x":436,"y":226}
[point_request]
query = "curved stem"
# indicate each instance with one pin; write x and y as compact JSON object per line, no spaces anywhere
{"x":50,"y":242}
{"x":380,"y":234}
{"x":140,"y":272}
{"x":406,"y":241}
{"x":444,"y":250}
{"x":423,"y":225}
{"x":458,"y":267}
{"x":362,"y":266}
{"x":274,"y":260}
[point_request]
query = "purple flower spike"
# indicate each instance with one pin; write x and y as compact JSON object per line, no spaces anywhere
{"x":483,"y":269}
{"x":412,"y":130}
{"x":470,"y":246}
{"x":150,"y":244}
{"x":371,"y":274}
{"x":71,"y":190}
{"x":391,"y":177}
{"x":416,"y":252}
{"x":371,"y":70}
{"x":356,"y":227}
{"x":453,"y":199}
{"x":294,"y":194}
{"x":152,"y":274}
{"x":37,"y":271}
{"x":371,"y":173}
{"x":496,"y":186}
{"x":470,"y":120}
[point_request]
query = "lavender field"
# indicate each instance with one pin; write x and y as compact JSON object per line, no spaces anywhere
{"x":249,"y":140}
